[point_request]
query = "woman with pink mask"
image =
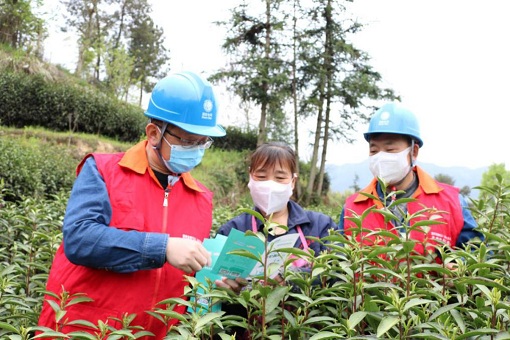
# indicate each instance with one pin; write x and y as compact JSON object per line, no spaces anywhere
{"x":272,"y":180}
{"x":273,"y":176}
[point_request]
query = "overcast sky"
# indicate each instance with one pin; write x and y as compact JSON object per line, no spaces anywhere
{"x":449,"y":61}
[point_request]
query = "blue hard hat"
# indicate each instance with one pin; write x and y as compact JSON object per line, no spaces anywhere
{"x":393,"y":118}
{"x":186,"y":100}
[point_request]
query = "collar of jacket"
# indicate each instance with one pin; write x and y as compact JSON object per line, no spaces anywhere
{"x":427,"y":184}
{"x":136,"y":160}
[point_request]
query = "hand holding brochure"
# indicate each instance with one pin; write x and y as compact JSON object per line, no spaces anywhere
{"x":204,"y":304}
{"x":233,"y":265}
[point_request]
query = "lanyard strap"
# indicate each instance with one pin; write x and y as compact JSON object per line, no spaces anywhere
{"x":300,"y":232}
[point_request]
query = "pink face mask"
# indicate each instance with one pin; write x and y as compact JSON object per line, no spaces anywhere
{"x":269,"y":196}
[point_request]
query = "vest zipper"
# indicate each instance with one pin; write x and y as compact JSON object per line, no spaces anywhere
{"x":165,"y":209}
{"x":164,"y":228}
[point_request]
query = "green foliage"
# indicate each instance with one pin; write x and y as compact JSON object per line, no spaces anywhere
{"x":350,"y":291}
{"x":316,"y":197}
{"x":118,"y":67}
{"x":356,"y":291}
{"x":20,"y":27}
{"x":113,"y":34}
{"x":32,"y":100}
{"x":226,"y":174}
{"x":224,"y":213}
{"x":490,"y":179}
{"x":146,"y":48}
{"x":237,"y":139}
{"x":257,"y":72}
{"x":30,"y":169}
{"x":29,"y":237}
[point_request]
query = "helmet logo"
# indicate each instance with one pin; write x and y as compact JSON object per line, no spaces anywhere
{"x":208,"y":105}
{"x":384,"y":118}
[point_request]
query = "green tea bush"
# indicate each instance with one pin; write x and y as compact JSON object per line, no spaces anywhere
{"x":31,"y":100}
{"x":388,"y":292}
{"x":30,"y":169}
{"x":352,"y":291}
{"x":30,"y":233}
{"x":237,"y":139}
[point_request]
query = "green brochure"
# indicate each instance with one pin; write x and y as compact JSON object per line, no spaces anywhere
{"x":204,"y":304}
{"x":233,"y":266}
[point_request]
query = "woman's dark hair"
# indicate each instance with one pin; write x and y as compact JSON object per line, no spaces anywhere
{"x":269,"y":154}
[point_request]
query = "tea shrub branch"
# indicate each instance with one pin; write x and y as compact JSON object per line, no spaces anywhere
{"x":351,"y":291}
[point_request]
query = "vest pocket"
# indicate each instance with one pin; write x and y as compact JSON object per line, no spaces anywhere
{"x":126,"y":216}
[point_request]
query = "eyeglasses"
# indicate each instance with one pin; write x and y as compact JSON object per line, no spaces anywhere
{"x":188,"y":144}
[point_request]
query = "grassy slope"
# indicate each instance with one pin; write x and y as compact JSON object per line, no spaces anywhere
{"x":221,"y":171}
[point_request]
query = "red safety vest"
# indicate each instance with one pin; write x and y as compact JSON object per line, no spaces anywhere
{"x":443,"y":199}
{"x":136,"y":198}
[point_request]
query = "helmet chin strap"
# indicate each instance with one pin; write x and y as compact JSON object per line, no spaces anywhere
{"x":162,"y":132}
{"x":157,"y":149}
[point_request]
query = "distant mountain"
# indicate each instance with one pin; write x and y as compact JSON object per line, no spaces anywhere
{"x":342,"y":176}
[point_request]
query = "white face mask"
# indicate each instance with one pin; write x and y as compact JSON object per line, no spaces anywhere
{"x":391,"y":167}
{"x":269,"y":196}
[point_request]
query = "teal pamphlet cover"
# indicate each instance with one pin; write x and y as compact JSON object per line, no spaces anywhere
{"x":204,"y":304}
{"x":232,"y":266}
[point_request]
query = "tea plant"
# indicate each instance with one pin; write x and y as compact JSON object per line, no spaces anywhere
{"x":350,"y":291}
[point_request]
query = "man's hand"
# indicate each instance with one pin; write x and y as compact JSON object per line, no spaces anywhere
{"x":187,"y":255}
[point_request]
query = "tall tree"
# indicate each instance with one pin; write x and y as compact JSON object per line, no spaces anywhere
{"x":256,"y":71}
{"x":20,"y":27}
{"x":296,"y":5}
{"x":118,"y":68}
{"x":336,"y":77}
{"x":84,"y":17}
{"x":121,"y":21}
{"x":146,"y":48}
{"x":303,"y":61}
{"x":117,"y":38}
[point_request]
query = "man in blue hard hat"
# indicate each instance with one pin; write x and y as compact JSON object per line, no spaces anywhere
{"x":135,"y":221}
{"x":394,"y":141}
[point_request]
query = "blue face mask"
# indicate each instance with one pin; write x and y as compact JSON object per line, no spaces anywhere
{"x":183,"y":159}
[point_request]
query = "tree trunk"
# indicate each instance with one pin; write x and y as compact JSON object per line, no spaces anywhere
{"x":262,"y":123}
{"x":324,"y":90}
{"x":329,"y":79}
{"x":262,"y":137}
{"x":315,"y":153}
{"x":85,"y":42}
{"x":295,"y":99}
{"x":141,"y":93}
{"x":98,"y":43}
{"x":325,"y":139}
{"x":116,"y":42}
